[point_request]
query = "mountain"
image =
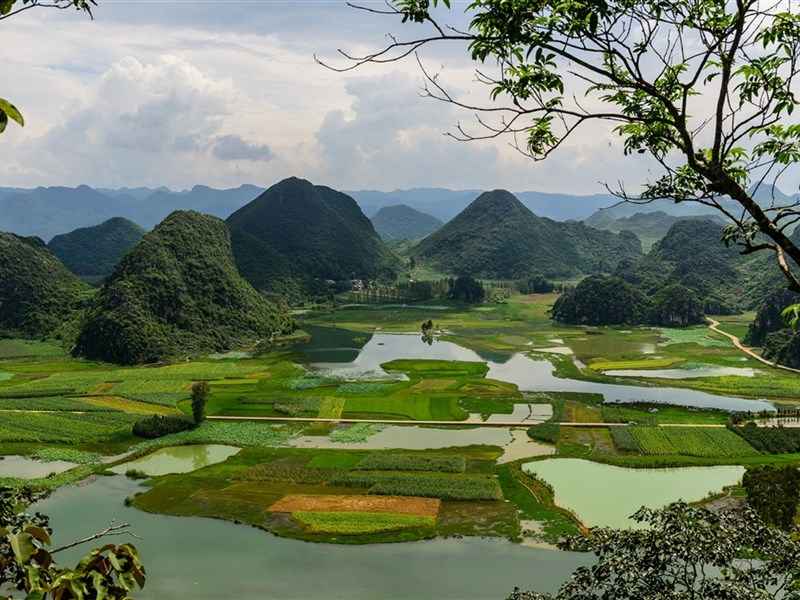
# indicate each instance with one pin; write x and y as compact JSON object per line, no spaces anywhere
{"x":401,"y":222}
{"x":445,"y":204}
{"x":37,"y":293}
{"x":93,"y":252}
{"x":648,"y":226}
{"x":177,"y":293}
{"x":301,"y":231}
{"x":497,"y":237}
{"x":217,"y":202}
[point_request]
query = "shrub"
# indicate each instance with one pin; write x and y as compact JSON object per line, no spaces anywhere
{"x":200,"y":391}
{"x":136,"y":474}
{"x":545,"y":432}
{"x":156,"y":426}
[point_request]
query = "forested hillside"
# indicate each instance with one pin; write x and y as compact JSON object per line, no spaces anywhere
{"x":38,"y":295}
{"x":178,"y":293}
{"x":303,"y":232}
{"x":401,"y":222}
{"x":497,"y":237}
{"x":93,"y":252}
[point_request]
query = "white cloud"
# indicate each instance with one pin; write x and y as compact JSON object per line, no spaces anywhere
{"x":232,"y":147}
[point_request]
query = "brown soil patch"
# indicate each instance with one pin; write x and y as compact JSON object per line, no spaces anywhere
{"x":406,"y":505}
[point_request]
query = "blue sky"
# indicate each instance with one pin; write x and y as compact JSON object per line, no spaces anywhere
{"x":227,"y":92}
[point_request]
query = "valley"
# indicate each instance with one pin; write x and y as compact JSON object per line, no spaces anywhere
{"x":522,"y":392}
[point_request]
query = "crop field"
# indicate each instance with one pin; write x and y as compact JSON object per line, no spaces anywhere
{"x":261,"y":483}
{"x":359,"y":523}
{"x":64,"y":427}
{"x":689,"y":441}
{"x":771,"y":440}
{"x":381,"y":461}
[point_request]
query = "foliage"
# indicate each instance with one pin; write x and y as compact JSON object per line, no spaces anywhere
{"x":466,"y":289}
{"x":37,"y":293}
{"x":774,"y":494}
{"x":176,"y":293}
{"x":356,"y":433}
{"x":8,"y":110}
{"x":200,"y":390}
{"x":497,"y":237}
{"x":352,"y":523}
{"x":95,"y":251}
{"x":535,"y":284}
{"x":684,"y":548}
{"x":769,"y":317}
{"x":27,"y":564}
{"x":156,"y":426}
{"x":602,"y":300}
{"x":545,"y":432}
{"x":73,"y":455}
{"x":64,"y":427}
{"x":783,"y":347}
{"x":772,"y":440}
{"x":624,"y":440}
{"x":382,"y":461}
{"x":216,"y":432}
{"x":676,"y":306}
{"x":297,"y":230}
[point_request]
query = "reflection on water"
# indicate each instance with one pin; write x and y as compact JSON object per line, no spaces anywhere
{"x":527,"y":373}
{"x":688,"y":373}
{"x":592,"y":490}
{"x":178,"y":459}
{"x":208,"y":559}
{"x":514,"y":442}
{"x":24,"y":467}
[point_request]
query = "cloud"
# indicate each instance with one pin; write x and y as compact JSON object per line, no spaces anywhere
{"x":233,"y":147}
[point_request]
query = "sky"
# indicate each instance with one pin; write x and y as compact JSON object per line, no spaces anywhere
{"x":226,"y":92}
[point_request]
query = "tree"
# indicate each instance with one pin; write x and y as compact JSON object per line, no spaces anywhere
{"x":685,"y":553}
{"x":774,"y":494}
{"x":27,"y":564}
{"x":703,"y":87}
{"x":200,"y":392}
{"x":9,"y":8}
{"x":466,"y":289}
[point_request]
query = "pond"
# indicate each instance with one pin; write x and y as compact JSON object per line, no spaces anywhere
{"x":207,"y":559}
{"x":24,"y":467}
{"x":349,"y":355}
{"x":592,"y":490}
{"x":514,"y":442}
{"x":178,"y":459}
{"x":684,"y":373}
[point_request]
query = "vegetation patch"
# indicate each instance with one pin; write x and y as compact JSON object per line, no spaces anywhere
{"x":694,"y":335}
{"x":382,"y":461}
{"x":242,"y":434}
{"x":771,"y":440}
{"x":359,"y":523}
{"x":690,"y":441}
{"x":428,"y":507}
{"x":353,"y":434}
{"x":429,"y":485}
{"x":52,"y":454}
{"x":64,"y":427}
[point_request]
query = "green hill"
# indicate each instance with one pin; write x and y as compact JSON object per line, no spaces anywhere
{"x":401,"y":222}
{"x":177,"y":293}
{"x":297,"y":231}
{"x":93,"y":252}
{"x":692,"y":254}
{"x":38,"y":295}
{"x":497,"y":237}
{"x":649,"y":227}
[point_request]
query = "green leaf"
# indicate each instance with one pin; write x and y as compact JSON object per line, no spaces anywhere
{"x":3,"y":121}
{"x":5,"y":6}
{"x":12,"y":111}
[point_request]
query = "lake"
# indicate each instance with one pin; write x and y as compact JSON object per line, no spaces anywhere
{"x":606,"y":496}
{"x":178,"y":459}
{"x":207,"y":559}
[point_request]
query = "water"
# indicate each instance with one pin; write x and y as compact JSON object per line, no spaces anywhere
{"x":207,"y":559}
{"x":529,"y":374}
{"x":529,"y":414}
{"x":24,"y":467}
{"x":594,"y":491}
{"x":178,"y":459}
{"x":539,"y":376}
{"x":686,"y":373}
{"x":514,"y":442}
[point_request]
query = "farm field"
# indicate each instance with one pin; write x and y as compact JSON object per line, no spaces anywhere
{"x":54,"y":407}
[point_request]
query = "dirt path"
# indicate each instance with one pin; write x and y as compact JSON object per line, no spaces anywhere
{"x":713,"y":325}
{"x":444,"y":423}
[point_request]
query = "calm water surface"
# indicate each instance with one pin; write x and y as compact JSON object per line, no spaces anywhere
{"x":178,"y":459}
{"x":604,"y":495}
{"x":25,"y":467}
{"x":207,"y":559}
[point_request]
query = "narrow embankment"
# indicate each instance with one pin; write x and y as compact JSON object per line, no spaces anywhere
{"x":713,"y":325}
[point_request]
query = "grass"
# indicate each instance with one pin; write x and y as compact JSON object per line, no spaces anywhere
{"x":64,"y":427}
{"x":352,"y":434}
{"x":693,"y":335}
{"x":359,"y":523}
{"x":381,"y":461}
{"x":243,"y":434}
{"x":80,"y":457}
{"x":426,"y":485}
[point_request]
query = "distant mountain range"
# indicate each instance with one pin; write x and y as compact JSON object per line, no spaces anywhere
{"x":401,"y":222}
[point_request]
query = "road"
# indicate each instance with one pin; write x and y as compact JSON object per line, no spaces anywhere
{"x":713,"y":325}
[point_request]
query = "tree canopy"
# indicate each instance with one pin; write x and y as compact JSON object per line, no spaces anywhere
{"x":703,"y":87}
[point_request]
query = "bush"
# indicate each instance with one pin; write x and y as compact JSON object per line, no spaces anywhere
{"x":136,"y":474}
{"x":156,"y":426}
{"x":545,"y":432}
{"x":774,"y":494}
